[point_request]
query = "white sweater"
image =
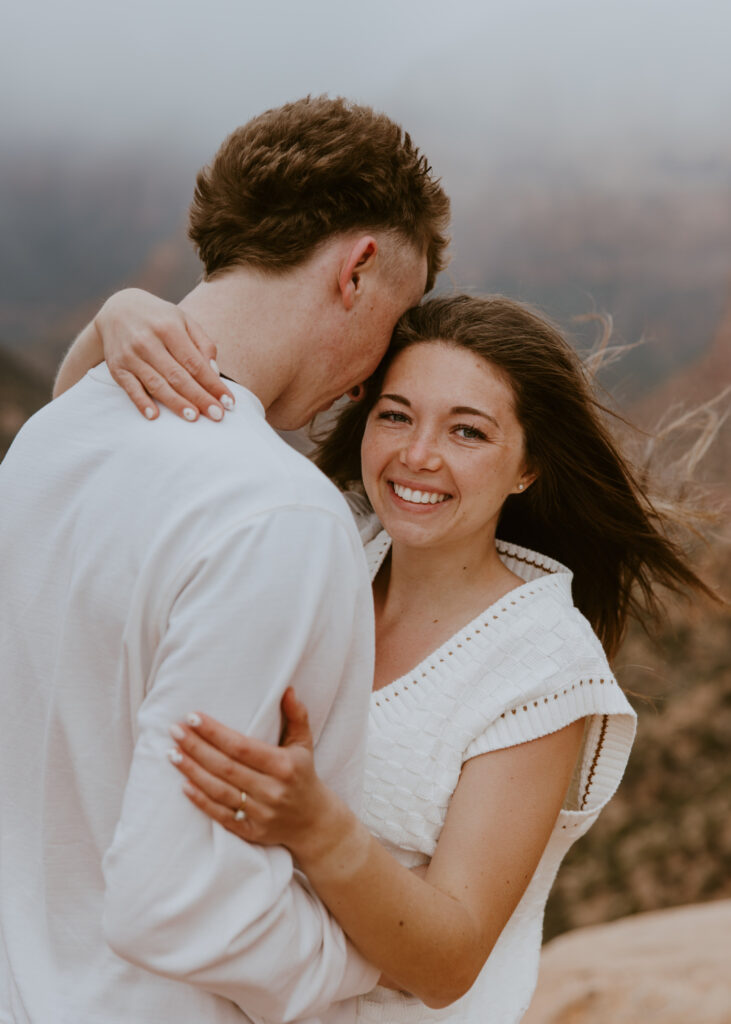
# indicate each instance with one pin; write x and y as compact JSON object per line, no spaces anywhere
{"x":149,"y":570}
{"x":525,"y":667}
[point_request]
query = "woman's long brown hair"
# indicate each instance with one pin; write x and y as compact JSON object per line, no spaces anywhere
{"x":587,"y":508}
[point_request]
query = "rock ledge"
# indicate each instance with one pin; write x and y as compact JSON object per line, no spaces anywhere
{"x":666,"y":967}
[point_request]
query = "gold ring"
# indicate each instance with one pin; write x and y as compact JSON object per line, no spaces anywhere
{"x":243,"y":798}
{"x":239,"y":815}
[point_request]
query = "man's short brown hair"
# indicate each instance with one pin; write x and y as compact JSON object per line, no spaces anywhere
{"x":294,"y":176}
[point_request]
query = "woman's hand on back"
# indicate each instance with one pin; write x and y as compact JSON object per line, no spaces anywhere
{"x":262,"y":793}
{"x":157,"y":353}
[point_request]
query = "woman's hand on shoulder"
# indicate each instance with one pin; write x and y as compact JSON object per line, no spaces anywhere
{"x":157,"y":353}
{"x":262,"y":793}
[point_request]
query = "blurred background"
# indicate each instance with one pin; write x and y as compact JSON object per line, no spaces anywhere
{"x":587,"y":151}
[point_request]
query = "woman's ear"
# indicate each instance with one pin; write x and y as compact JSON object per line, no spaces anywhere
{"x":360,"y":256}
{"x":526,"y":478}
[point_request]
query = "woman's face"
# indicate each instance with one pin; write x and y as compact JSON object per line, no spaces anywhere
{"x":442,"y":448}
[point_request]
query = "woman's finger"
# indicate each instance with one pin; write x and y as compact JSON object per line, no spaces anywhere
{"x":297,"y":723}
{"x":136,"y":392}
{"x":157,"y":386}
{"x":249,"y":825}
{"x":246,"y":750}
{"x":220,"y":792}
{"x":204,"y":369}
{"x":205,"y":345}
{"x":244,"y":827}
{"x":189,"y":375}
{"x":240,"y":777}
{"x":187,"y":388}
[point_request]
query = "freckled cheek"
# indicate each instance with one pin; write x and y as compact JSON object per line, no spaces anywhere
{"x":371,"y":461}
{"x":485,"y":488}
{"x":366,"y":451}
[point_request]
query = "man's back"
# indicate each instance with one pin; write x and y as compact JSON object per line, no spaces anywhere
{"x":149,"y":569}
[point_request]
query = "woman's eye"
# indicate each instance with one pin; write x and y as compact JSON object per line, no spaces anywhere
{"x":470,"y":433}
{"x":392,"y":416}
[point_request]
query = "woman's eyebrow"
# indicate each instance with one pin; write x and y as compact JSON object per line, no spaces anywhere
{"x":396,"y":398}
{"x":458,"y":410}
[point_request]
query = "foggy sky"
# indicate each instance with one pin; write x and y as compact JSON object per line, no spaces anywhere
{"x":587,"y":78}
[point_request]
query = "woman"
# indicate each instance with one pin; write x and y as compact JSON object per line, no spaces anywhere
{"x":497,"y":730}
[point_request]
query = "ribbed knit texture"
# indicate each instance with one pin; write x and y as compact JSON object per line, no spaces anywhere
{"x":525,"y":667}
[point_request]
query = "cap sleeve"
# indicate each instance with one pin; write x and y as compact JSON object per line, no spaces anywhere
{"x":610,"y":730}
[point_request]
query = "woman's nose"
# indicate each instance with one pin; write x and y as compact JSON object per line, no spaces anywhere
{"x":421,"y":452}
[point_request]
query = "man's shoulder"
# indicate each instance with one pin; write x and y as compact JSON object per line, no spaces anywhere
{"x":171,"y":475}
{"x":245,"y":469}
{"x":263,"y":469}
{"x":242,"y":459}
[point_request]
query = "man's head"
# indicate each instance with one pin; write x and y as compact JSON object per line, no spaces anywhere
{"x":292,"y":178}
{"x":349,"y":297}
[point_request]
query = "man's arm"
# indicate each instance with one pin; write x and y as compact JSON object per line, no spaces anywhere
{"x":267,"y":604}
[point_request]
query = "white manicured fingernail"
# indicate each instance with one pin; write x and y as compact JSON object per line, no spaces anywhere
{"x":176,"y":732}
{"x":194,"y":719}
{"x":227,"y":402}
{"x":190,"y":414}
{"x":214,"y":412}
{"x":150,"y":412}
{"x":214,"y":367}
{"x":174,"y":756}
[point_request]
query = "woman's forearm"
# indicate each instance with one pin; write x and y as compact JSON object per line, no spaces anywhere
{"x":86,"y":351}
{"x":420,"y":936}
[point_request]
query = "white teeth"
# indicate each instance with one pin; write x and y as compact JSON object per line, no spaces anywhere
{"x":419,"y":497}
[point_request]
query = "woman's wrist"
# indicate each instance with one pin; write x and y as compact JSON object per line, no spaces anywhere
{"x":126,"y":302}
{"x":332,"y":840}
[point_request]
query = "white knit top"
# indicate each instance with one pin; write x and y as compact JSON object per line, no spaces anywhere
{"x":528,"y":665}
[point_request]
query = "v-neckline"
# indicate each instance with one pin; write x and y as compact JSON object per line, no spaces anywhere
{"x":474,"y":630}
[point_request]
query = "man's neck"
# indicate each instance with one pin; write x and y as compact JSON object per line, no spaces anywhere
{"x":256,"y":322}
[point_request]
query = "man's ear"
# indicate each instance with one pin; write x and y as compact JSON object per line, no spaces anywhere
{"x":360,"y":255}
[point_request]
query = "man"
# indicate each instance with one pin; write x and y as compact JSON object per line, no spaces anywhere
{"x":150,"y":570}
